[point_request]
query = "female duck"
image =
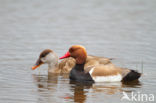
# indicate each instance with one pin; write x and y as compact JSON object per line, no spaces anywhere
{"x":97,"y":73}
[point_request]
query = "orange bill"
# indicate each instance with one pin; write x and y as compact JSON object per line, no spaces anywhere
{"x":38,"y":63}
{"x":34,"y":67}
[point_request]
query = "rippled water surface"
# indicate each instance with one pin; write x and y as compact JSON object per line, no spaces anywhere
{"x":120,"y":29}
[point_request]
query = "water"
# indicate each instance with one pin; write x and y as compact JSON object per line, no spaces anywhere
{"x":123,"y":29}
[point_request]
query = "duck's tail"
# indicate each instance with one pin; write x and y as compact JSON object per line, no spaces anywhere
{"x":131,"y":76}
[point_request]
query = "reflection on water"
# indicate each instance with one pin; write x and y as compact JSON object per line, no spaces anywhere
{"x":80,"y":91}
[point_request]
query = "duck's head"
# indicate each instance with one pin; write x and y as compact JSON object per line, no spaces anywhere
{"x":78,"y":52}
{"x":46,"y":57}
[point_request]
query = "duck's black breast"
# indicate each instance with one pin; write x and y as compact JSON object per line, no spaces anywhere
{"x":77,"y":74}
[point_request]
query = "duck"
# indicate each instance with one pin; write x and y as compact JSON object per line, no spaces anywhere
{"x":49,"y":57}
{"x":97,"y":73}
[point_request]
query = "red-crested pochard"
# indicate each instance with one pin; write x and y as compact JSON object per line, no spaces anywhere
{"x":97,"y":73}
{"x":50,"y":57}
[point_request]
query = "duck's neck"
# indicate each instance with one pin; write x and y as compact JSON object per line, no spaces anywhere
{"x":79,"y":67}
{"x":52,"y":66}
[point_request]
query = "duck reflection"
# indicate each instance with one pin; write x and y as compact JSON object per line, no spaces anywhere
{"x":45,"y":81}
{"x":49,"y":87}
{"x":111,"y":88}
{"x":75,"y":91}
{"x":49,"y":81}
{"x":79,"y":91}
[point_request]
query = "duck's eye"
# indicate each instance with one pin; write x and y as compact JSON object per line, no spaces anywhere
{"x":43,"y":55}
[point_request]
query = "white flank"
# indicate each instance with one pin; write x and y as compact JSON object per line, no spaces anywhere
{"x":113,"y":78}
{"x":91,"y":71}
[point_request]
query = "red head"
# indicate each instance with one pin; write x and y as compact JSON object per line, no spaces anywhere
{"x":78,"y":52}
